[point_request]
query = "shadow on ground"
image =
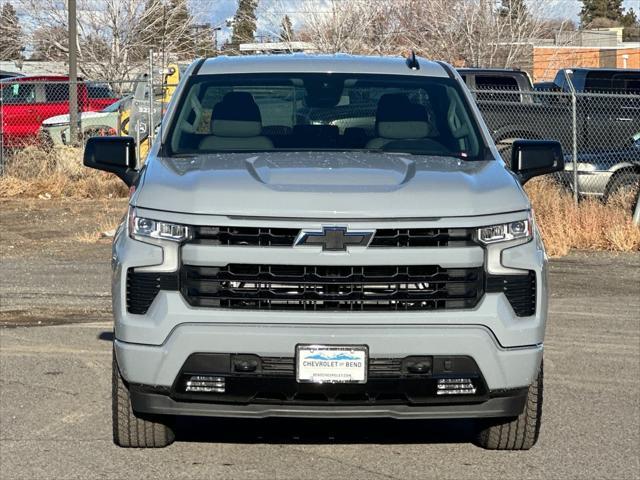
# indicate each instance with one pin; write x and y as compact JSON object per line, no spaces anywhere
{"x":323,"y":431}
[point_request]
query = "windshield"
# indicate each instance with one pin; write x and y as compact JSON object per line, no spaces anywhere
{"x":114,"y":107}
{"x":318,"y":111}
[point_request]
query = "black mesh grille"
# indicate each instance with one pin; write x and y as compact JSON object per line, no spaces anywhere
{"x":520,"y":290}
{"x":245,"y":236}
{"x":420,"y":237}
{"x":142,"y":288}
{"x":279,"y":287}
{"x":285,"y":237}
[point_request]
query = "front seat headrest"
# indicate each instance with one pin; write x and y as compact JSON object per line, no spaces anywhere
{"x":237,"y":115}
{"x":398,"y":118}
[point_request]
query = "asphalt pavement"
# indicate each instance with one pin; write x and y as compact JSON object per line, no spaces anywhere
{"x":55,"y":399}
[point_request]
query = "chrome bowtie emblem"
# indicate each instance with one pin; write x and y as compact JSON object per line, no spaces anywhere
{"x":334,"y":238}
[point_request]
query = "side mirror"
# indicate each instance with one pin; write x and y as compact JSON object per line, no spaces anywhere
{"x":530,"y":158}
{"x":112,"y":154}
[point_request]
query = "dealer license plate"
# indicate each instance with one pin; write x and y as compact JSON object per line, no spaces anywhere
{"x":331,"y":364}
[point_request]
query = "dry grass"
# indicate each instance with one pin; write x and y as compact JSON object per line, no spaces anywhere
{"x":592,"y":225}
{"x":36,"y":173}
{"x":105,"y":226}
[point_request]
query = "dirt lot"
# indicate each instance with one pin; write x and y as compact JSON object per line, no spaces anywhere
{"x":55,"y":265}
{"x":55,"y":380}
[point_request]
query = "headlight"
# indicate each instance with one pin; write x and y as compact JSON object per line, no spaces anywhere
{"x":505,"y":232}
{"x":146,"y":227}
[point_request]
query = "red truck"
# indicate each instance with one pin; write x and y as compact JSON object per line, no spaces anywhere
{"x":26,"y":101}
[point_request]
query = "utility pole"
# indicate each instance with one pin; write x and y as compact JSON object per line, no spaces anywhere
{"x":215,"y":40}
{"x":73,"y":72}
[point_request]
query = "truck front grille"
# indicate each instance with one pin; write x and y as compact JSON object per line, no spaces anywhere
{"x":285,"y":237}
{"x":331,"y":288}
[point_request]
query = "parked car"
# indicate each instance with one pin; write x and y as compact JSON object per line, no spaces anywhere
{"x":27,"y":101}
{"x":111,"y":120}
{"x":604,"y":173}
{"x":274,"y":262}
{"x":595,"y":80}
{"x":603,"y":122}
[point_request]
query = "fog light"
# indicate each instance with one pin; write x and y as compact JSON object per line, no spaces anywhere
{"x":455,"y":386}
{"x":205,"y":383}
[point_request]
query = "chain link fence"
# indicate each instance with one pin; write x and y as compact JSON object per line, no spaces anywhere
{"x":35,"y":113}
{"x":599,"y":133}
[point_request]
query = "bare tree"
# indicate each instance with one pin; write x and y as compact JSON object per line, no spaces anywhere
{"x":114,"y":35}
{"x":339,"y":26}
{"x":487,"y":33}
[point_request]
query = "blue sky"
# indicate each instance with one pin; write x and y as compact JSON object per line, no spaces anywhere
{"x":217,"y":11}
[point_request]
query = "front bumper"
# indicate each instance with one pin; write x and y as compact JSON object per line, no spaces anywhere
{"x":510,"y":405}
{"x":502,"y":368}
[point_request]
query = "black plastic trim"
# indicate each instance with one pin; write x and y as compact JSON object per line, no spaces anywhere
{"x":143,"y":287}
{"x":144,"y":401}
{"x":520,"y":290}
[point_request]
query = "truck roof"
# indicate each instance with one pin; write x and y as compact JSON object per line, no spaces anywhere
{"x":39,"y":78}
{"x":599,"y":69}
{"x":491,"y":70}
{"x":336,"y":63}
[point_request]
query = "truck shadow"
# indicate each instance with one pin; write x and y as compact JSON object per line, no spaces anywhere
{"x":323,"y":431}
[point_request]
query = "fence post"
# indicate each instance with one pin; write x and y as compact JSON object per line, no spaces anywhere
{"x":150,"y":128}
{"x":73,"y":73}
{"x":1,"y":136}
{"x":574,"y":129}
{"x":636,"y":213}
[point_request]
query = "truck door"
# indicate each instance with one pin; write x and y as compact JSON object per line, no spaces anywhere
{"x":19,"y":119}
{"x":56,"y":100}
{"x":610,"y":108}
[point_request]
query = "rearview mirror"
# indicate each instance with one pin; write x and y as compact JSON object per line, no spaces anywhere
{"x":112,"y":154}
{"x":530,"y":158}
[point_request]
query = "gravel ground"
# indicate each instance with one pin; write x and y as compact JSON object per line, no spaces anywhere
{"x":55,"y":354}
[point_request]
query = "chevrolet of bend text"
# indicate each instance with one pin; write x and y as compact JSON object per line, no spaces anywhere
{"x":327,"y":236}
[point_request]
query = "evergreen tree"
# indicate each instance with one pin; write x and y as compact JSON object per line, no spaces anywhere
{"x":244,"y":23}
{"x":631,"y":23}
{"x":11,"y":45}
{"x":286,"y":29}
{"x":151,"y":28}
{"x":601,"y":9}
{"x":516,"y":9}
{"x":177,"y":17}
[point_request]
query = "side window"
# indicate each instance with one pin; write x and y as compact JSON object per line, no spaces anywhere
{"x":487,"y":82}
{"x":19,"y":93}
{"x":499,"y":84}
{"x":99,"y":91}
{"x":625,"y":83}
{"x":56,"y":92}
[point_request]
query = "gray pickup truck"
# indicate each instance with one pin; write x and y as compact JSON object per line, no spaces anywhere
{"x":327,"y":236}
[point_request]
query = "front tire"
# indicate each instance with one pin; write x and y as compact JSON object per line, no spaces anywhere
{"x":520,"y":433}
{"x":129,"y":429}
{"x":623,"y":182}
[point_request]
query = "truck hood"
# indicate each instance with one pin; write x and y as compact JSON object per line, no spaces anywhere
{"x":62,"y":119}
{"x":328,"y":185}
